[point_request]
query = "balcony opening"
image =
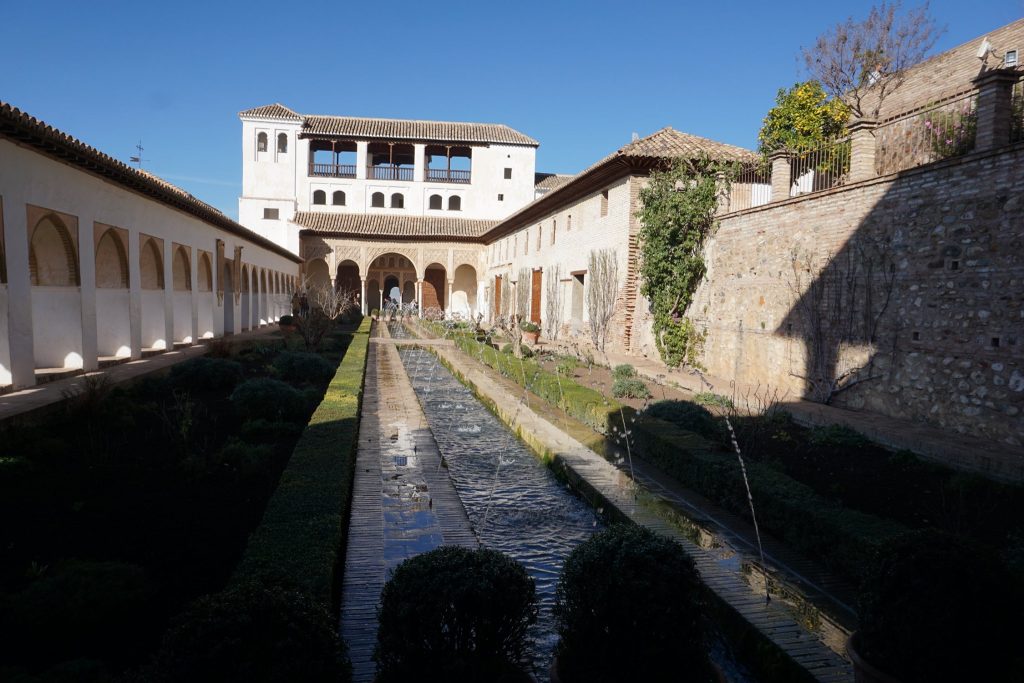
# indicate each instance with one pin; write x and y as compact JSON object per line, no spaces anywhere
{"x":377,"y":200}
{"x":435,"y":202}
{"x":332,"y":158}
{"x":455,"y":203}
{"x":389,"y":161}
{"x":449,"y":163}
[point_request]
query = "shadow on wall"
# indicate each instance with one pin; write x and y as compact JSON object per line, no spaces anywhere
{"x":918,"y":314}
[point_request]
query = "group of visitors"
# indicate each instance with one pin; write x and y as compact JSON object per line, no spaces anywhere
{"x":300,"y":305}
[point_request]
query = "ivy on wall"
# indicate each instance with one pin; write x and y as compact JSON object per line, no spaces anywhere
{"x":677,"y":215}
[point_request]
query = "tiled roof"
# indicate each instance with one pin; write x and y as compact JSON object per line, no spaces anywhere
{"x":422,"y":131}
{"x":636,"y":157}
{"x":28,"y":131}
{"x":395,"y":129}
{"x":271,"y":111}
{"x":545,"y":182}
{"x":380,"y":225}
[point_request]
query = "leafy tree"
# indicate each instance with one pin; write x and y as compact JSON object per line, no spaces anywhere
{"x":678,"y":214}
{"x":801,"y":117}
{"x":862,"y":62}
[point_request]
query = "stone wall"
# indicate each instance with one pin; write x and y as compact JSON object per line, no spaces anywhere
{"x":948,"y":349}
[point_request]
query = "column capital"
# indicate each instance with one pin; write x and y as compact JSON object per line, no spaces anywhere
{"x":997,"y":76}
{"x":862,"y":124}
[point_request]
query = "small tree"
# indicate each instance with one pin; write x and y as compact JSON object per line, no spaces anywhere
{"x":863,"y":62}
{"x":334,"y":302}
{"x":801,"y":117}
{"x":603,"y":271}
{"x":553,"y":306}
{"x":523,"y":294}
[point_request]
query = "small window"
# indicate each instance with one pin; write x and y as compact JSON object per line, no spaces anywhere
{"x":397,"y":201}
{"x":540,"y":235}
{"x":1010,"y":58}
{"x":568,"y":223}
{"x":954,"y":265}
{"x":995,"y":342}
{"x":319,"y":197}
{"x":604,"y":202}
{"x":377,"y":200}
{"x":261,"y":142}
{"x":501,"y":197}
{"x":508,"y":174}
{"x":917,"y":336}
{"x":270,"y":214}
{"x":282,"y":143}
{"x":526,"y":242}
{"x":435,"y":202}
{"x":554,"y":229}
{"x":455,"y":203}
{"x":338,"y":198}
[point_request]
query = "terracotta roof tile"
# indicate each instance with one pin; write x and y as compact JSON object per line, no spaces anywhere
{"x":271,"y":111}
{"x":669,"y":142}
{"x":380,"y":225}
{"x":422,"y":131}
{"x":545,"y":182}
{"x":28,"y":131}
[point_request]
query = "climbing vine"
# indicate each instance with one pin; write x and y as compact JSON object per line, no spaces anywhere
{"x":677,"y":215}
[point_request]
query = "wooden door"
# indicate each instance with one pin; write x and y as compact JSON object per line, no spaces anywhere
{"x":497,"y":296}
{"x":535,"y":296}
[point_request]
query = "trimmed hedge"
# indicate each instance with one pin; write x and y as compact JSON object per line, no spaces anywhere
{"x":300,"y":540}
{"x":583,"y":403}
{"x":843,"y":539}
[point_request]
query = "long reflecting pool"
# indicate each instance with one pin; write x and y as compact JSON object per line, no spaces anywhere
{"x":515,"y":504}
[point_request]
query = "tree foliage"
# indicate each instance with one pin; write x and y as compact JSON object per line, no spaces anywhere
{"x":802,"y":116}
{"x":678,"y":213}
{"x":603,"y":271}
{"x":862,"y":62}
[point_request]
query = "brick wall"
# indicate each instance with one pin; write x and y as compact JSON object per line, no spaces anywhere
{"x":949,"y":349}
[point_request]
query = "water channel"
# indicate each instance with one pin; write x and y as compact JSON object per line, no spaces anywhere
{"x":515,"y":504}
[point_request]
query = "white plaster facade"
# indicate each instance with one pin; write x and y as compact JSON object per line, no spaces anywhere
{"x":94,"y":270}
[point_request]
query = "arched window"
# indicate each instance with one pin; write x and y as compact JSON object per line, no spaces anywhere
{"x":181,"y":270}
{"x":397,"y":201}
{"x":51,"y":255}
{"x":338,"y":198}
{"x":111,"y":262}
{"x":455,"y":203}
{"x":435,"y":202}
{"x":205,"y":273}
{"x":261,"y":142}
{"x":282,"y":143}
{"x":319,"y":197}
{"x":377,"y":199}
{"x":151,"y":268}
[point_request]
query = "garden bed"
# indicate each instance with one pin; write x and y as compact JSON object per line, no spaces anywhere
{"x":132,"y":501}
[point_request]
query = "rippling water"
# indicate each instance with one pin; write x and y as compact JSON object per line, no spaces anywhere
{"x":515,"y":504}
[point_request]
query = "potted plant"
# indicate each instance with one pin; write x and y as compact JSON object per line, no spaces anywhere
{"x":531,"y":331}
{"x":936,"y":607}
{"x":287,"y":324}
{"x":628,"y":608}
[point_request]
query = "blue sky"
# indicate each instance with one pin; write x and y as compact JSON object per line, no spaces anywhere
{"x":578,"y":76}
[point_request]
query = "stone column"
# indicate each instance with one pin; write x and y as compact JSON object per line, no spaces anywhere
{"x":87,"y":288}
{"x":862,"y":149}
{"x":419,"y":297}
{"x":448,"y":300}
{"x":361,"y":159}
{"x":419,"y":162}
{"x":362,"y":296}
{"x":168,"y":266}
{"x":193,"y":257}
{"x":134,"y":295}
{"x":19,"y":294}
{"x":780,"y":175}
{"x":995,"y":90}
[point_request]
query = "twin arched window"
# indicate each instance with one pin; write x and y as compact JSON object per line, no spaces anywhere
{"x":319,"y":197}
{"x":436,"y":203}
{"x":338,"y":198}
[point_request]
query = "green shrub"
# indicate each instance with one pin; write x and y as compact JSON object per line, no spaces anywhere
{"x":264,"y":431}
{"x":241,"y":458}
{"x":936,"y":607}
{"x":838,"y":436}
{"x":688,"y":416}
{"x":286,"y":320}
{"x":628,"y":606}
{"x":523,"y":348}
{"x":527,"y":326}
{"x":624,"y":371}
{"x":81,"y":609}
{"x":567,"y":366}
{"x":300,"y":366}
{"x":841,"y":538}
{"x":454,"y":614}
{"x":301,"y":537}
{"x":206,"y":374}
{"x":269,"y":399}
{"x":252,"y":633}
{"x":630,"y":388}
{"x":710,"y":398}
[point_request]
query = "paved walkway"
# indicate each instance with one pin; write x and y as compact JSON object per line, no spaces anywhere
{"x":44,"y":396}
{"x":720,"y":565}
{"x":990,"y":458}
{"x":403,"y":502}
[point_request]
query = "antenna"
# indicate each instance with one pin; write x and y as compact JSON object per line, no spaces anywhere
{"x":635,"y":136}
{"x":137,"y":159}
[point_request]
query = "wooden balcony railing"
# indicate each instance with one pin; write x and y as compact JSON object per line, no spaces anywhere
{"x":332,"y":170}
{"x":443,"y":175}
{"x":389,"y":172}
